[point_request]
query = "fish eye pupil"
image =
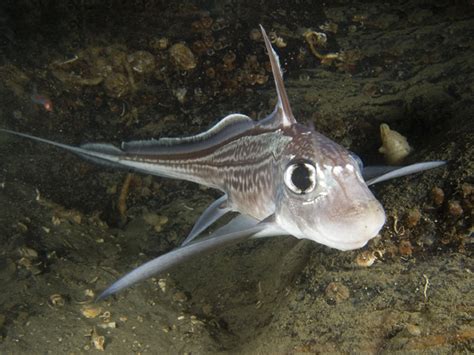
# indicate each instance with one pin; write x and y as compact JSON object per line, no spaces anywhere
{"x":301,"y":177}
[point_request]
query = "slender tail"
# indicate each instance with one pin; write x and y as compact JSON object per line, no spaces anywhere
{"x":105,"y":154}
{"x":111,"y":156}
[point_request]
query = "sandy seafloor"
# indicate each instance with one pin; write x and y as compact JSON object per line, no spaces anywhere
{"x":65,"y":236}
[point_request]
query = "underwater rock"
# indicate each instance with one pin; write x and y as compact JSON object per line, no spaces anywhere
{"x":437,"y":195}
{"x":142,"y":62}
{"x":336,"y":292}
{"x":159,"y":43}
{"x":182,"y":56}
{"x":413,"y":217}
{"x":117,"y":85}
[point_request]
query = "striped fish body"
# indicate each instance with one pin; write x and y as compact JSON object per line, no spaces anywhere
{"x":240,"y":157}
{"x":282,"y":177}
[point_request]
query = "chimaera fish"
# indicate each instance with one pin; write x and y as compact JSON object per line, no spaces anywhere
{"x":282,"y":177}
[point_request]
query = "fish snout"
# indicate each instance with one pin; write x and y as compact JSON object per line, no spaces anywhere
{"x":353,"y":225}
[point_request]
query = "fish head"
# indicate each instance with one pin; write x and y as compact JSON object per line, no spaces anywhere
{"x":322,"y":195}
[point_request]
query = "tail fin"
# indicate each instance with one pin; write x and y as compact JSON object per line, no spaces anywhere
{"x":105,"y":154}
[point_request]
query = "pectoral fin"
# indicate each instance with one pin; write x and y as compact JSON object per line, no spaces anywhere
{"x":376,"y":174}
{"x":184,"y":253}
{"x":215,"y":211}
{"x":243,"y":222}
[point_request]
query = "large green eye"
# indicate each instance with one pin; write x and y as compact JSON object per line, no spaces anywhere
{"x":300,"y":177}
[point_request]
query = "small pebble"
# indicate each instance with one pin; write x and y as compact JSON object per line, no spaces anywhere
{"x":91,"y":311}
{"x":413,"y":217}
{"x":107,"y":325}
{"x":454,"y":208}
{"x":180,"y":297}
{"x":336,"y":292}
{"x":405,"y":248}
{"x":56,"y":300}
{"x":22,"y":227}
{"x":162,"y":284}
{"x":438,"y":195}
{"x":255,"y":35}
{"x":413,"y":330}
{"x":207,"y":309}
{"x":182,"y":56}
{"x":467,"y":189}
{"x":28,"y":253}
{"x":426,"y":239}
{"x":365,"y":258}
{"x":97,"y":340}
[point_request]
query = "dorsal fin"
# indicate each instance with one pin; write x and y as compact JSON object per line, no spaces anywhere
{"x":229,"y":126}
{"x":283,"y":111}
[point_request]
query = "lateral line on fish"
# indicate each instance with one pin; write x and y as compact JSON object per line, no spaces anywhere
{"x":256,"y":131}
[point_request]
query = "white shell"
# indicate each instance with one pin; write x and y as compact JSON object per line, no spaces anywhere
{"x":394,"y":147}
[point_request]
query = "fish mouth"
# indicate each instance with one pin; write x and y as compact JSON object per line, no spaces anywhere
{"x":351,"y":231}
{"x":345,"y":245}
{"x":346,"y":242}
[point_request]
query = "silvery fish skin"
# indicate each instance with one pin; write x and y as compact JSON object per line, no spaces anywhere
{"x":282,"y":177}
